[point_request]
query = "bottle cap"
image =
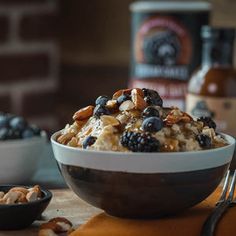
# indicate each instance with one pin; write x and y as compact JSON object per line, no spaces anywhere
{"x":218,"y":33}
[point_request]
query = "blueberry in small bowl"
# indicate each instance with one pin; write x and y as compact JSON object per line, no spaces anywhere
{"x":21,"y":145}
{"x":19,"y":215}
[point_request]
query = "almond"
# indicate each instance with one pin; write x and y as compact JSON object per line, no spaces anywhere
{"x":120,"y":92}
{"x":138,"y":100}
{"x":65,"y":138}
{"x":126,"y":106}
{"x":109,"y":120}
{"x":83,"y":113}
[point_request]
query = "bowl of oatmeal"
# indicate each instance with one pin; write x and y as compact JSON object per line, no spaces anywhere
{"x":132,"y":157}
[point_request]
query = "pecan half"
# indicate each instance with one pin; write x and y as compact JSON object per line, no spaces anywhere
{"x":137,"y":99}
{"x":120,"y":92}
{"x":176,"y":116}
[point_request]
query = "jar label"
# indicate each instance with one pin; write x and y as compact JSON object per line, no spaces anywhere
{"x":222,"y":110}
{"x":163,"y":49}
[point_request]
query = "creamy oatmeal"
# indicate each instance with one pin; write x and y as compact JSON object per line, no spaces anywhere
{"x":135,"y":120}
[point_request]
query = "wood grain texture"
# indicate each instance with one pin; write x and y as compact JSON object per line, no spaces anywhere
{"x":64,"y":204}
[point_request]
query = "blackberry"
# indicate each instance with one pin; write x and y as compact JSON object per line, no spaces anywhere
{"x":152,"y":124}
{"x":204,"y":140}
{"x":100,"y":110}
{"x":150,"y":111}
{"x":102,"y":100}
{"x":89,"y":141}
{"x":152,"y":97}
{"x":139,"y":142}
{"x":207,"y":121}
{"x":123,"y":98}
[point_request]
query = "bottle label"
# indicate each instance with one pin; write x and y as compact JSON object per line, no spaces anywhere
{"x":162,"y":49}
{"x":222,"y":111}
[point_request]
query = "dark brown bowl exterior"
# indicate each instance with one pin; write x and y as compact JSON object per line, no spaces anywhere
{"x":19,"y":216}
{"x":132,"y":195}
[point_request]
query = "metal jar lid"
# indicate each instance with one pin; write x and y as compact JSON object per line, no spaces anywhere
{"x":173,"y":6}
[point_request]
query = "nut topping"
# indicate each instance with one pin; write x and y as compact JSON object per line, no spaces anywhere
{"x":137,"y":99}
{"x":127,"y":106}
{"x":83,"y":113}
{"x":109,"y":120}
{"x":120,"y":92}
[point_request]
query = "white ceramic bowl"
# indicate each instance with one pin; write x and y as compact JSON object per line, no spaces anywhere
{"x":19,"y":159}
{"x":143,"y":184}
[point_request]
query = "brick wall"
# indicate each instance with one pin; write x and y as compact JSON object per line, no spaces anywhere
{"x":29,"y":60}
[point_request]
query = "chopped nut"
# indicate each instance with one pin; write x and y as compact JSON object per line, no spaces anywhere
{"x":139,"y":91}
{"x":111,"y":104}
{"x":63,"y":222}
{"x":2,"y":194}
{"x":46,"y":232}
{"x":109,"y":120}
{"x":65,"y":138}
{"x":126,"y":106}
{"x":21,"y":198}
{"x":20,"y":189}
{"x":11,"y":197}
{"x":73,"y":142}
{"x":138,"y":100}
{"x":83,"y":113}
{"x":176,"y":116}
{"x":120,"y":92}
{"x":31,"y":196}
{"x":53,"y":226}
{"x":36,"y":189}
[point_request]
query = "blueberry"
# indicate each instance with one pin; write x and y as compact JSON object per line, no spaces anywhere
{"x":3,"y":121}
{"x":204,"y":140}
{"x":36,"y":129}
{"x":18,"y":123}
{"x":150,"y":111}
{"x":3,"y":133}
{"x":152,"y":97}
{"x":207,"y":121}
{"x":90,"y":140}
{"x":13,"y":134}
{"x":152,"y":124}
{"x":123,"y":98}
{"x":100,"y":110}
{"x":102,"y":100}
{"x":28,"y":133}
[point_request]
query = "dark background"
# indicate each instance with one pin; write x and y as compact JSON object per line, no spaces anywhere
{"x":57,"y":56}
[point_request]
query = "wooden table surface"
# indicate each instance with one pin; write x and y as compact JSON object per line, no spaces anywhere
{"x":63,"y":204}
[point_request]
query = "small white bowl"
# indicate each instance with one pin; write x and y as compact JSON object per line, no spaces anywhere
{"x":19,"y":158}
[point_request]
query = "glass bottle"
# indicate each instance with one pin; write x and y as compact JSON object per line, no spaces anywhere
{"x":212,"y":88}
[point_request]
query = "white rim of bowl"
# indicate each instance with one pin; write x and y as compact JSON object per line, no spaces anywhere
{"x":150,"y":163}
{"x":27,"y":141}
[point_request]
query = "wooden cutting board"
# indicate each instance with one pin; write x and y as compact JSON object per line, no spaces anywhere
{"x":63,"y":204}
